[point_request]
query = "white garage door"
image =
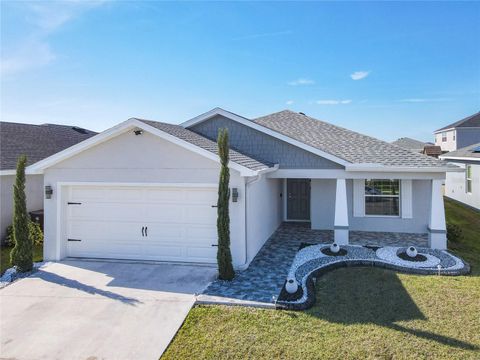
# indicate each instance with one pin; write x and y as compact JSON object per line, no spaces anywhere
{"x":144,"y":223}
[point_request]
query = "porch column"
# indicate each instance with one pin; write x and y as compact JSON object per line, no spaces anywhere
{"x":437,"y":231}
{"x":341,"y":214}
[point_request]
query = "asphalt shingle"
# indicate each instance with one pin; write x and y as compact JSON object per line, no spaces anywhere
{"x":37,"y":142}
{"x":343,"y":143}
{"x":469,"y":121}
{"x":466,"y":152}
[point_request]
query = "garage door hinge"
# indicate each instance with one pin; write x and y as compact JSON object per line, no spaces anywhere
{"x":74,"y":240}
{"x":74,"y":203}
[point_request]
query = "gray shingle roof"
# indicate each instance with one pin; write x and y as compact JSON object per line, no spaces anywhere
{"x":469,"y":121}
{"x":37,"y":142}
{"x":410,"y":144}
{"x":467,"y":152}
{"x":343,"y":143}
{"x":204,"y":143}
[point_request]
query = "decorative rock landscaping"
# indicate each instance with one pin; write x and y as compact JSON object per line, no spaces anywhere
{"x":11,"y":274}
{"x":314,"y":260}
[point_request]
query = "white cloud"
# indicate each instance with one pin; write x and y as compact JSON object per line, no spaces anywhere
{"x":333,"y":102}
{"x":422,"y":100}
{"x":43,"y":18}
{"x":359,"y":75}
{"x":301,"y":81}
{"x":289,"y":102}
{"x":30,"y":54}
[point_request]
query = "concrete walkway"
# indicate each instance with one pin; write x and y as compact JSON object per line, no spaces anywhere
{"x":98,"y":310}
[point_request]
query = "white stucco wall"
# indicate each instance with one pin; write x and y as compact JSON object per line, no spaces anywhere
{"x":323,"y":203}
{"x":450,"y":144}
{"x":33,"y":191}
{"x":139,"y":159}
{"x":265,"y":212}
{"x":455,"y":186}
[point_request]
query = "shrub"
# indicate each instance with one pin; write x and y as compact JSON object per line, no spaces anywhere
{"x":224,"y":256}
{"x":9,"y":236}
{"x":21,"y":255}
{"x":35,"y":234}
{"x":454,"y":232}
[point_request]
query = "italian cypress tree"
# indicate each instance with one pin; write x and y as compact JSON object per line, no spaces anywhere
{"x":22,"y":254}
{"x":224,"y":256}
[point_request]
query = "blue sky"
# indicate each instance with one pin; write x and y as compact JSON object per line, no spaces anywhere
{"x":385,"y":69}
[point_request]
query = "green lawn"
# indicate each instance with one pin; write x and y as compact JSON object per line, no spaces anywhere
{"x":5,"y":256}
{"x":360,"y":313}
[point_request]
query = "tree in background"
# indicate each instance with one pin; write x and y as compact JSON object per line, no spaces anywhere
{"x":224,"y":256}
{"x":22,"y":253}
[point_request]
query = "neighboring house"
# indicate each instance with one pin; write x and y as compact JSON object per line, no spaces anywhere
{"x":411,"y":144}
{"x":464,"y":186}
{"x":148,"y":190}
{"x":36,"y":142}
{"x":460,"y":134}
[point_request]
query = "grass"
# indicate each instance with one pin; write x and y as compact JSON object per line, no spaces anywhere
{"x":360,"y":313}
{"x":5,"y":256}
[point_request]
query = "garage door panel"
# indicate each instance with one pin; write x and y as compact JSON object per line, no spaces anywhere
{"x":107,"y":211}
{"x":200,"y":214}
{"x":181,"y":223}
{"x":164,"y":213}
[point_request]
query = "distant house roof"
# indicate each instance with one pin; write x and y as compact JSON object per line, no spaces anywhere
{"x":469,"y":121}
{"x":37,"y":142}
{"x":411,"y":144}
{"x":207,"y":144}
{"x":343,"y":143}
{"x":468,"y":152}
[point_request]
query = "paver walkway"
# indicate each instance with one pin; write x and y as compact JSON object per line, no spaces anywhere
{"x":265,"y":276}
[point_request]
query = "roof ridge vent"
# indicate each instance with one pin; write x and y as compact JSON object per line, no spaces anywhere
{"x":301,"y":113}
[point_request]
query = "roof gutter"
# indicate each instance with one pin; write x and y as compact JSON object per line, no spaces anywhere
{"x":382,"y":168}
{"x":447,"y":158}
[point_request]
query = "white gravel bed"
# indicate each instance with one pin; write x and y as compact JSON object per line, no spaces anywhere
{"x":389,"y":254}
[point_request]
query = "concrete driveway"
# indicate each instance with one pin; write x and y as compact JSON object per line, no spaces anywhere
{"x":98,"y":310}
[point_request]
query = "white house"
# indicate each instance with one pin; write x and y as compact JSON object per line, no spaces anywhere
{"x":462,"y":133}
{"x":36,"y":142}
{"x":464,"y":186}
{"x":147,"y":190}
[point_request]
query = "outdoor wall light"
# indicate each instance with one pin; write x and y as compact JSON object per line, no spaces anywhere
{"x":48,"y":192}
{"x":234,"y":194}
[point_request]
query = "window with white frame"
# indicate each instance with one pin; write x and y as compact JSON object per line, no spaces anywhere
{"x":382,"y":197}
{"x":444,"y":136}
{"x":468,"y":178}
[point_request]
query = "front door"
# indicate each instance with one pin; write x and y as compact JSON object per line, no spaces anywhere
{"x":298,"y":199}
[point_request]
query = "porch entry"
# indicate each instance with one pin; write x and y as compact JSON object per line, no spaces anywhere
{"x":298,"y":199}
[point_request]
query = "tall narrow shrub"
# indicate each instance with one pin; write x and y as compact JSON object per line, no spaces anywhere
{"x":224,"y":256}
{"x":22,"y":253}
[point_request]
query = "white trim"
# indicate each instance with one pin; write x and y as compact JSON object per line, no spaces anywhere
{"x":406,"y":206}
{"x":61,"y":205}
{"x":122,"y":128}
{"x":455,"y":128}
{"x":342,"y":174}
{"x":381,"y":168}
{"x":249,"y":123}
{"x":136,"y":184}
{"x":444,"y":157}
{"x":14,"y":172}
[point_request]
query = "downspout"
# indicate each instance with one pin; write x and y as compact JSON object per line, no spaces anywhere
{"x":247,"y":183}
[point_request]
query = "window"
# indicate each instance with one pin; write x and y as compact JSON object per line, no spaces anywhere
{"x":382,"y":197}
{"x":444,"y":136}
{"x":468,"y":177}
